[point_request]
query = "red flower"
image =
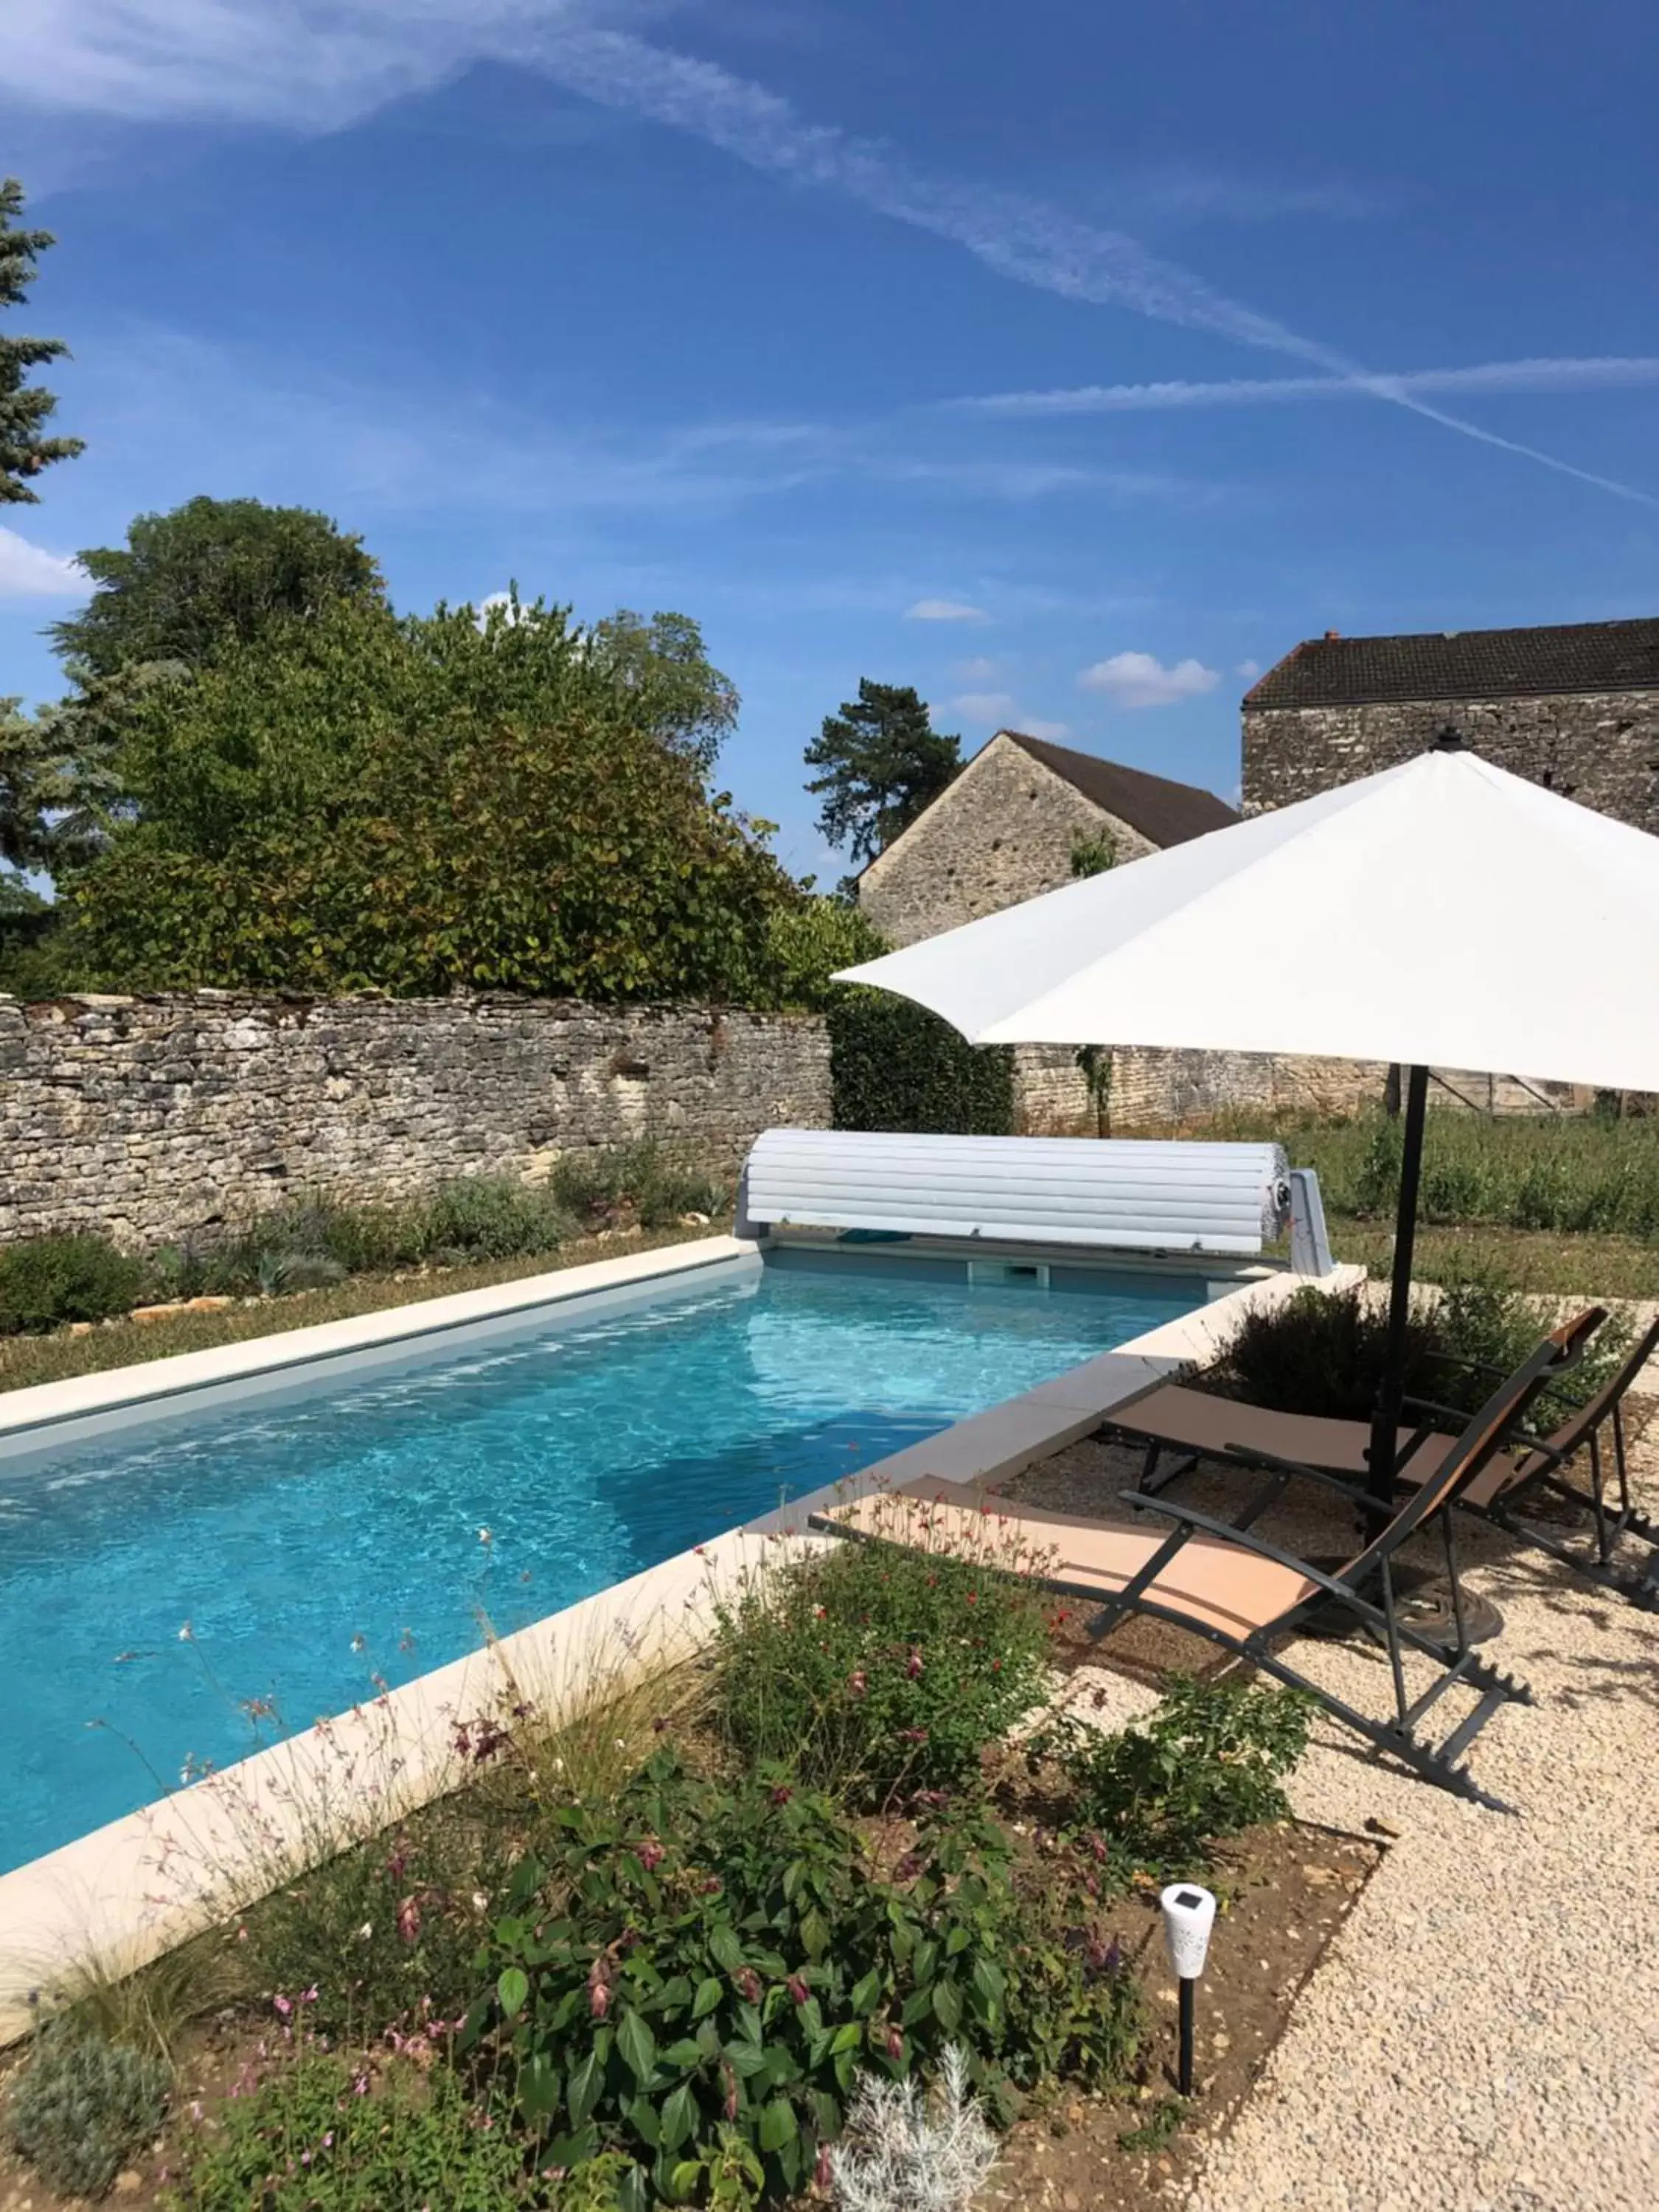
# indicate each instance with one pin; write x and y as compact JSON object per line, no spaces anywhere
{"x":973,"y":1597}
{"x":782,"y":1793}
{"x":799,"y":1992}
{"x":914,"y":1667}
{"x":747,"y":1984}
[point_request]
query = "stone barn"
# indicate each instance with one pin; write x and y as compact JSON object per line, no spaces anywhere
{"x":1008,"y":826}
{"x":1574,"y":707}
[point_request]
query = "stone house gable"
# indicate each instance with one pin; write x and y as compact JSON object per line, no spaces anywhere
{"x":1005,"y":830}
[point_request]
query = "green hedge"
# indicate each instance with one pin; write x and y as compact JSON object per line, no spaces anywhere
{"x":894,"y":1065}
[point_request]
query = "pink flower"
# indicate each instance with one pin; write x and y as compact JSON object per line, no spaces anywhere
{"x":821,"y":2171}
{"x":799,"y":1992}
{"x":409,"y":1920}
{"x":747,"y":1984}
{"x":895,"y":2043}
{"x":913,"y":1667}
{"x":859,"y":1682}
{"x":283,"y":2006}
{"x":652,"y":1855}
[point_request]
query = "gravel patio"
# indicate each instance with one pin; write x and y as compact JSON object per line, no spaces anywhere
{"x":1482,"y":2035}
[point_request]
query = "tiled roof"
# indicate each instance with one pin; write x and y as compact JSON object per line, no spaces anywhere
{"x":1164,"y":813}
{"x":1470,"y":664}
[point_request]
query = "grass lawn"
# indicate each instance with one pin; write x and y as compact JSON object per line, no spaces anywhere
{"x":28,"y":1359}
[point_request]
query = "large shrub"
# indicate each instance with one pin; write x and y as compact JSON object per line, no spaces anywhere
{"x":49,"y":1280}
{"x":873,"y":1668}
{"x":895,"y":1066}
{"x":1325,"y":1352}
{"x":702,"y":1962}
{"x":421,"y":805}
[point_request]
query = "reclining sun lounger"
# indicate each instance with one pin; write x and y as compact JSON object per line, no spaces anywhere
{"x":1199,"y":1426}
{"x":1222,"y":1581}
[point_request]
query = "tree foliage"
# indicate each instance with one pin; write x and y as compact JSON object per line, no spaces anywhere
{"x":417,"y":805}
{"x":208,"y":576}
{"x":25,"y":408}
{"x":883,"y":762}
{"x":677,"y":693}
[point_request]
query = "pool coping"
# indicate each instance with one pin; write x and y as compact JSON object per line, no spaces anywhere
{"x":123,"y":1894}
{"x":113,"y":1388}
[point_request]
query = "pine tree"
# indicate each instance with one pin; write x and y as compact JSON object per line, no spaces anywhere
{"x":884,"y":762}
{"x":24,"y":408}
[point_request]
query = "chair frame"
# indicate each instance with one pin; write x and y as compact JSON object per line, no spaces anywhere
{"x":1541,"y":1472}
{"x":1440,"y":1762}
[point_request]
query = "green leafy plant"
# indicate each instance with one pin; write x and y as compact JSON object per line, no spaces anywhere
{"x":894,"y":1065}
{"x":82,"y":2106}
{"x":318,"y":2134}
{"x":49,"y":1280}
{"x":702,"y":1968}
{"x":875,"y":1668}
{"x":1206,"y":1764}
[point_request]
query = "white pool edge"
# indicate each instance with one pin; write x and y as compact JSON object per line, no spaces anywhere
{"x":116,"y":1388}
{"x":134,"y":1888}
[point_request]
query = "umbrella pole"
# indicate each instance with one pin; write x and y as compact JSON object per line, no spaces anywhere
{"x":1385,"y":1427}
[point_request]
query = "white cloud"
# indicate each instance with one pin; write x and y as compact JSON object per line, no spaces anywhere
{"x":320,"y":66}
{"x":1248,"y":669}
{"x":29,"y":572}
{"x":945,"y":611}
{"x":979,"y":670}
{"x":1001,"y":710}
{"x":1141,"y":679}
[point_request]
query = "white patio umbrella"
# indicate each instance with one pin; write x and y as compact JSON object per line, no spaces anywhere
{"x":1443,"y":913}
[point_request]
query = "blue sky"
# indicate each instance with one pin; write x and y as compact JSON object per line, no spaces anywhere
{"x":1068,"y":361}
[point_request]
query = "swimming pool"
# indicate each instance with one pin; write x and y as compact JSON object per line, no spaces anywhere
{"x":282,"y":1550}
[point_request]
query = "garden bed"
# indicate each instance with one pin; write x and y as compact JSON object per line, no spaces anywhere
{"x":656,"y":1950}
{"x":1286,"y":1887}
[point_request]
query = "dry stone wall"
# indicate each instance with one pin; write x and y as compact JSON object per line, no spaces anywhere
{"x":144,"y":1118}
{"x":1154,"y":1091}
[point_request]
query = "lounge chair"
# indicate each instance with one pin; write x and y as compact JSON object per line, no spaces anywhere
{"x":1200,"y":1425}
{"x":1222,"y":1581}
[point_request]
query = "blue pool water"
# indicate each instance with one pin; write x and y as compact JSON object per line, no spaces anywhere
{"x":315,"y":1537}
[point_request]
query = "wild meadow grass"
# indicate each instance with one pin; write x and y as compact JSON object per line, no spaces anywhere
{"x":1569,"y":1175}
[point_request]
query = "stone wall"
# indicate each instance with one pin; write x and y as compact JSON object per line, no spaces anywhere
{"x":1601,"y":749}
{"x":1051,"y":1096}
{"x":146,"y":1117}
{"x":1154,"y":1091}
{"x":1002,"y":832}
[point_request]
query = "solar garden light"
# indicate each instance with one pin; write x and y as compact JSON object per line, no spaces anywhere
{"x":1189,"y":1916}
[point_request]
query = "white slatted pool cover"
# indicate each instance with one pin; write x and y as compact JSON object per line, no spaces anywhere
{"x":1111,"y":1193}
